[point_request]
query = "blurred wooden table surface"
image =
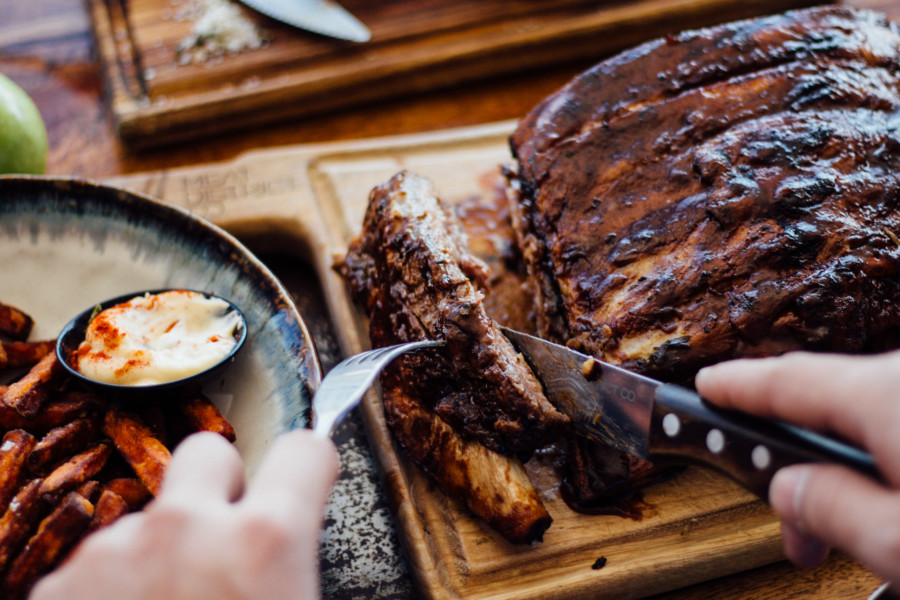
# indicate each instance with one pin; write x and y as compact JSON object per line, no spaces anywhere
{"x":46,"y":47}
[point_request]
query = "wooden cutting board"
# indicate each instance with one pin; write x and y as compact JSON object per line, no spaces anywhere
{"x":416,"y":45}
{"x":310,"y":199}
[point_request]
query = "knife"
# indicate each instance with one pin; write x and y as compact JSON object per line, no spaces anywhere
{"x":663,"y":422}
{"x":324,"y":17}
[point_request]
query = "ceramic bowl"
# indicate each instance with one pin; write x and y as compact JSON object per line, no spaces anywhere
{"x":66,"y":243}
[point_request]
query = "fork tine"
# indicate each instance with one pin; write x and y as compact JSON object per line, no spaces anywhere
{"x":380,"y":353}
{"x":347,"y":382}
{"x":357,"y":358}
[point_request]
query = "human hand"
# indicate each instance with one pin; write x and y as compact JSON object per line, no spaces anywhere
{"x":822,"y":506}
{"x":206,"y":536}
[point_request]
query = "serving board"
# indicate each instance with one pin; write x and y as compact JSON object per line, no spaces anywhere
{"x":416,"y":45}
{"x":310,"y":199}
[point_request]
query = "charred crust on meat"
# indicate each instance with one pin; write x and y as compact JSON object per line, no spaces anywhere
{"x":475,"y":401}
{"x":783,"y":131}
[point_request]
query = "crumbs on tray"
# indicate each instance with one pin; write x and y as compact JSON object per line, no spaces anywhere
{"x":219,"y":29}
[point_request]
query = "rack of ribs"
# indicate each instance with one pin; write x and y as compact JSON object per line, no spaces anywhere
{"x":722,"y":193}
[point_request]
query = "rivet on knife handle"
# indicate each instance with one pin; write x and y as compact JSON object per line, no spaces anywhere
{"x":750,"y":450}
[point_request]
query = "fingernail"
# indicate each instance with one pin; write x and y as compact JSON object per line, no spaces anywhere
{"x":786,"y":493}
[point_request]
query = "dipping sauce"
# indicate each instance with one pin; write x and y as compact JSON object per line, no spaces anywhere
{"x":157,"y":338}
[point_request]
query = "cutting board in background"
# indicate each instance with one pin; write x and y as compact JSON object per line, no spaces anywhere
{"x":695,"y":527}
{"x":416,"y":45}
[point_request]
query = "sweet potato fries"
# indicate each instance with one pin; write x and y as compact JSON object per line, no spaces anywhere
{"x":71,"y":460}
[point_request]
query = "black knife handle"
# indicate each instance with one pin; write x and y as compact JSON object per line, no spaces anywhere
{"x":685,"y":428}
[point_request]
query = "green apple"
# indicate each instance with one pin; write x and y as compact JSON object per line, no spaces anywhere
{"x":23,"y":136}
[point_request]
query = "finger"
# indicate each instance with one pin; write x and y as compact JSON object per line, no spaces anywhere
{"x":824,"y":392}
{"x":844,"y":510}
{"x":294,"y":477}
{"x":801,"y":548}
{"x":204,"y":467}
{"x":83,"y":575}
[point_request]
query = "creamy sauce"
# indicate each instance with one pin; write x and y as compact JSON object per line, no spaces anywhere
{"x":157,"y":338}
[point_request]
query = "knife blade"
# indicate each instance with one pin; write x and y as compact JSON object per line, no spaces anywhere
{"x":324,"y":17}
{"x":664,"y":422}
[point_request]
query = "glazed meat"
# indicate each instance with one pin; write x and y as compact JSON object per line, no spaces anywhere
{"x":412,"y":271}
{"x":494,"y":487}
{"x":465,"y":414}
{"x":722,"y":193}
{"x":727,"y":192}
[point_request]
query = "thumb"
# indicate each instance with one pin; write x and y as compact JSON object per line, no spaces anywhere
{"x":825,"y":506}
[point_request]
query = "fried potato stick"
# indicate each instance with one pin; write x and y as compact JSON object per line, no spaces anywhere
{"x":89,"y":490}
{"x":17,"y":445}
{"x":55,"y":413}
{"x":28,"y":394}
{"x":55,"y":535}
{"x":135,"y":442}
{"x":23,"y":354}
{"x":61,"y":442}
{"x":75,"y":471}
{"x":130,"y":489}
{"x":19,"y":520}
{"x":108,"y":509}
{"x":202,"y":415}
{"x":14,"y":322}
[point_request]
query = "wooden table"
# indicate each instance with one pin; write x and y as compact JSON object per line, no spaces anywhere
{"x":47,"y":48}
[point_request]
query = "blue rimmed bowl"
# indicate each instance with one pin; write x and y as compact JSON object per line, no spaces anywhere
{"x":66,"y":244}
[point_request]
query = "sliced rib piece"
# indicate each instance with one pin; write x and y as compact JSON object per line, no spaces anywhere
{"x":468,"y":413}
{"x":411,"y":270}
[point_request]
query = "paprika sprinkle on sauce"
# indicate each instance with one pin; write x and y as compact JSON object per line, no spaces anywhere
{"x":157,"y":338}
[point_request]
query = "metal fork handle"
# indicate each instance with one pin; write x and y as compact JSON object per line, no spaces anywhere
{"x":325,"y":418}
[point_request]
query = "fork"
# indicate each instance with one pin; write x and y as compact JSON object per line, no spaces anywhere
{"x":347,"y":382}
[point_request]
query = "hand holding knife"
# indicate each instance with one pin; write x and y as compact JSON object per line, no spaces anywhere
{"x":668,"y":423}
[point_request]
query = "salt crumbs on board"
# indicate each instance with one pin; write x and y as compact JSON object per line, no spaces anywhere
{"x":219,"y":29}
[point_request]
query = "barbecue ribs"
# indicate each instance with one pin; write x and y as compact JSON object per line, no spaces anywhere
{"x":727,"y":192}
{"x":468,"y":413}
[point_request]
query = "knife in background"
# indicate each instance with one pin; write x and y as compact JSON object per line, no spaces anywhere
{"x":324,"y":17}
{"x":663,"y":422}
